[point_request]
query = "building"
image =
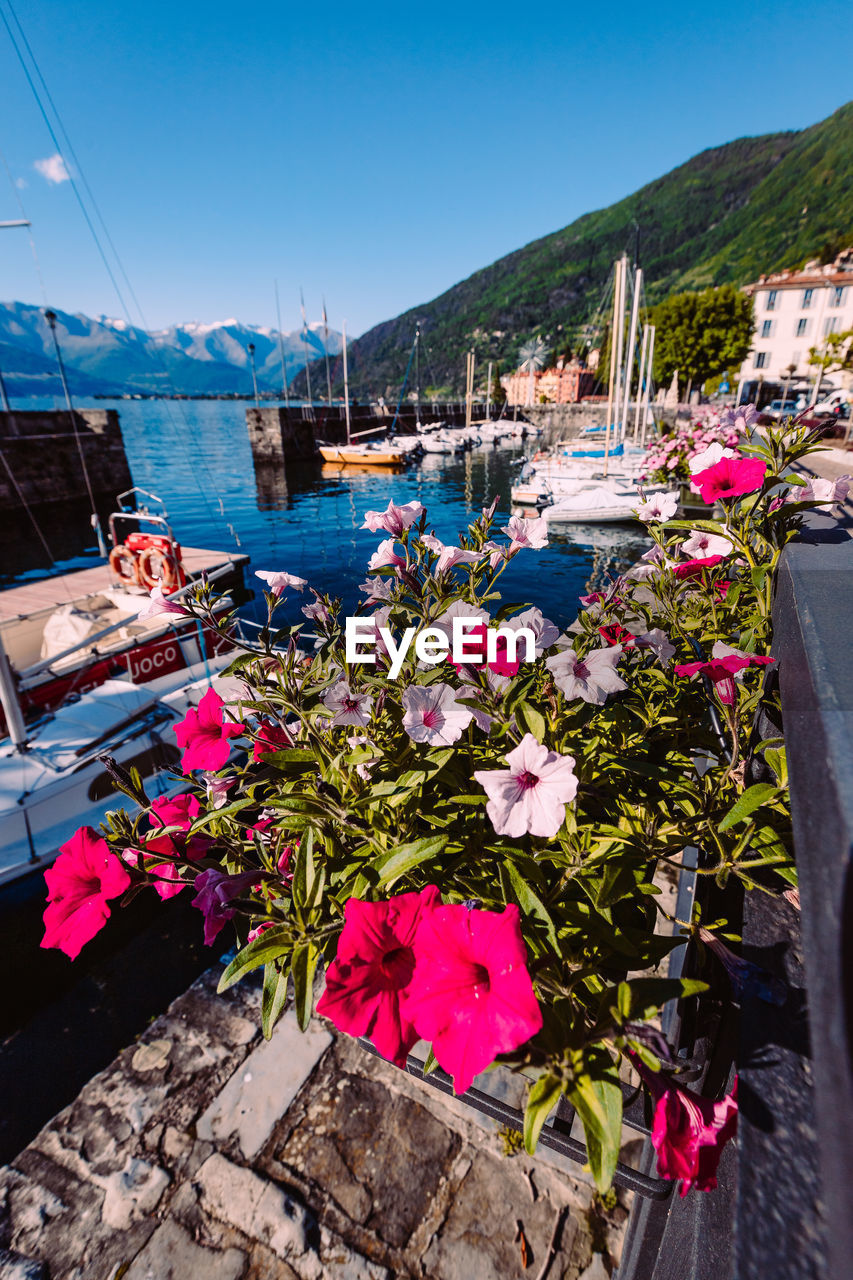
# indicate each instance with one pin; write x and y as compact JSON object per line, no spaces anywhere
{"x":568,"y":383}
{"x":795,"y":311}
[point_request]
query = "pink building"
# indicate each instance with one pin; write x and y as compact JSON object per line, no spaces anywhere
{"x":566,"y":384}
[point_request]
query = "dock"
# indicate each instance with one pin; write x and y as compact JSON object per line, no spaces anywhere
{"x":29,"y":597}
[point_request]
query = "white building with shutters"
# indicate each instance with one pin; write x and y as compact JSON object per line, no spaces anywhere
{"x":795,"y":311}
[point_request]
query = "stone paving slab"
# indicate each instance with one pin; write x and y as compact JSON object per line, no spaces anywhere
{"x":204,"y":1151}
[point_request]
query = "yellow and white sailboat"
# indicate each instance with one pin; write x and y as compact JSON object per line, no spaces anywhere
{"x":374,"y":452}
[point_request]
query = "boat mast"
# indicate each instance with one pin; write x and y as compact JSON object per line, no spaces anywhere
{"x":617,"y":280}
{"x":346,"y":383}
{"x":489,"y":393}
{"x":305,"y":345}
{"x":417,"y":372}
{"x":281,"y":349}
{"x":326,"y":355}
{"x":11,"y":705}
{"x":643,"y":350}
{"x":620,"y":345}
{"x":629,"y":356}
{"x":649,"y":367}
{"x":469,"y":390}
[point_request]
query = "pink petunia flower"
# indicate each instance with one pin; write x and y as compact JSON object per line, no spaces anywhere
{"x":498,"y":552}
{"x":393,"y":519}
{"x":724,"y":665}
{"x":533,"y":793}
{"x":385,"y":555}
{"x":215,"y":892}
{"x":203,"y":734}
{"x":730,"y":478}
{"x":159,"y":603}
{"x":660,"y":506}
{"x":271,"y":737}
{"x":176,"y":811}
{"x":658,"y":641}
{"x":592,"y":677}
{"x":317,"y":612}
{"x":432,"y":714}
{"x":217,"y":789}
{"x":166,"y":873}
{"x":705,"y":544}
{"x":347,"y":707}
{"x":255,"y":933}
{"x":450,"y":556}
{"x":826,"y":492}
{"x":709,"y":457}
{"x":476,"y":650}
{"x":545,"y":632}
{"x":278,"y":582}
{"x":471,"y":994}
{"x":376,"y":589}
{"x":80,"y":883}
{"x":524,"y":532}
{"x":366,"y":981}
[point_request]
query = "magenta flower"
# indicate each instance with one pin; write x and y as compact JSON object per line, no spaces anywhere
{"x":347,"y":707}
{"x":215,"y":892}
{"x":374,"y":966}
{"x":523,"y":532}
{"x":271,"y":737}
{"x":203,"y":734}
{"x":695,"y":568}
{"x":385,"y":555}
{"x":722,"y":669}
{"x":432,"y":714}
{"x":689,"y":1131}
{"x":471,"y":994}
{"x":80,"y":883}
{"x":176,"y":811}
{"x":592,"y":677}
{"x":730,"y":478}
{"x":278,"y":582}
{"x":393,"y":519}
{"x":533,"y":793}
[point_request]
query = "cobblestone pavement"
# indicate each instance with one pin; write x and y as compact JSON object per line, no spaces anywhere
{"x":205,"y":1153}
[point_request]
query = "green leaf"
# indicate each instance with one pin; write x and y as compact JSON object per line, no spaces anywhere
{"x":707,"y":526}
{"x":302,"y":969}
{"x":644,"y":996}
{"x":273,"y":997}
{"x":530,"y":720}
{"x":541,"y":1100}
{"x":430,"y":1063}
{"x":598,"y":1102}
{"x":408,"y":856}
{"x":751,"y":799}
{"x":530,"y":903}
{"x":305,"y":873}
{"x":269,"y":946}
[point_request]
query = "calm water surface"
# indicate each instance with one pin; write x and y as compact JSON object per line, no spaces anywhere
{"x":196,"y":456}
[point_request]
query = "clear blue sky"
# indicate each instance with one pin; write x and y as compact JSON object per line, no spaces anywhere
{"x":374,"y":153}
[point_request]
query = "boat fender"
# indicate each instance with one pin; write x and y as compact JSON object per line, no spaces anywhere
{"x":158,"y":567}
{"x":124,"y":564}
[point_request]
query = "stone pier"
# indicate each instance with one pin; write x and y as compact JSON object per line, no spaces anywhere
{"x":205,"y":1151}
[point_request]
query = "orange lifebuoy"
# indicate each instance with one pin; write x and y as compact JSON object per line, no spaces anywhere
{"x":158,"y":567}
{"x":124,"y":564}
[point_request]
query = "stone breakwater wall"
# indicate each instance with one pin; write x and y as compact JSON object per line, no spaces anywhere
{"x":40,"y":469}
{"x":279,"y":432}
{"x":568,"y":419}
{"x":204,"y":1150}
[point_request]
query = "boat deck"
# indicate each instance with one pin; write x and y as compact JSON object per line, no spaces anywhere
{"x":47,"y":593}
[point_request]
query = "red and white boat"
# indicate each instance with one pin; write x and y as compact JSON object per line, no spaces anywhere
{"x":67,"y":635}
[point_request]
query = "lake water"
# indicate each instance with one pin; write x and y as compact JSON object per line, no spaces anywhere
{"x":196,"y":456}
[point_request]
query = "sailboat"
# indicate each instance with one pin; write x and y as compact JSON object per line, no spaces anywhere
{"x":374,"y":453}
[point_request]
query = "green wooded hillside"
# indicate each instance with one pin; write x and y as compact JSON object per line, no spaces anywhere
{"x":727,"y":215}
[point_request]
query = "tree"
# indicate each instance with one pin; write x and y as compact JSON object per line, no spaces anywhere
{"x":498,"y":395}
{"x":834,"y":355}
{"x":699,"y":335}
{"x":532,"y":357}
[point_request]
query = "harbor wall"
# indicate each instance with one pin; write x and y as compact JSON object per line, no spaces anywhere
{"x":568,"y":419}
{"x":42,"y":480}
{"x":278,"y":432}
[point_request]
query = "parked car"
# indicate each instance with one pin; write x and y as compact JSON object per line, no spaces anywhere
{"x":782,"y":409}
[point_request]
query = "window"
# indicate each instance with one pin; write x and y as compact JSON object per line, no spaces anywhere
{"x":801,"y":329}
{"x":762,"y":360}
{"x":771,"y":300}
{"x":836,"y":298}
{"x":767,"y":328}
{"x":808,"y":294}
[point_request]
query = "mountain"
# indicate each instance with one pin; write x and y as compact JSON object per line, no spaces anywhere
{"x":109,"y":357}
{"x":728,"y":215}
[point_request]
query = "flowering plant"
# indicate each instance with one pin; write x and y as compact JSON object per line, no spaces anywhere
{"x":469,"y":850}
{"x":672,"y":456}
